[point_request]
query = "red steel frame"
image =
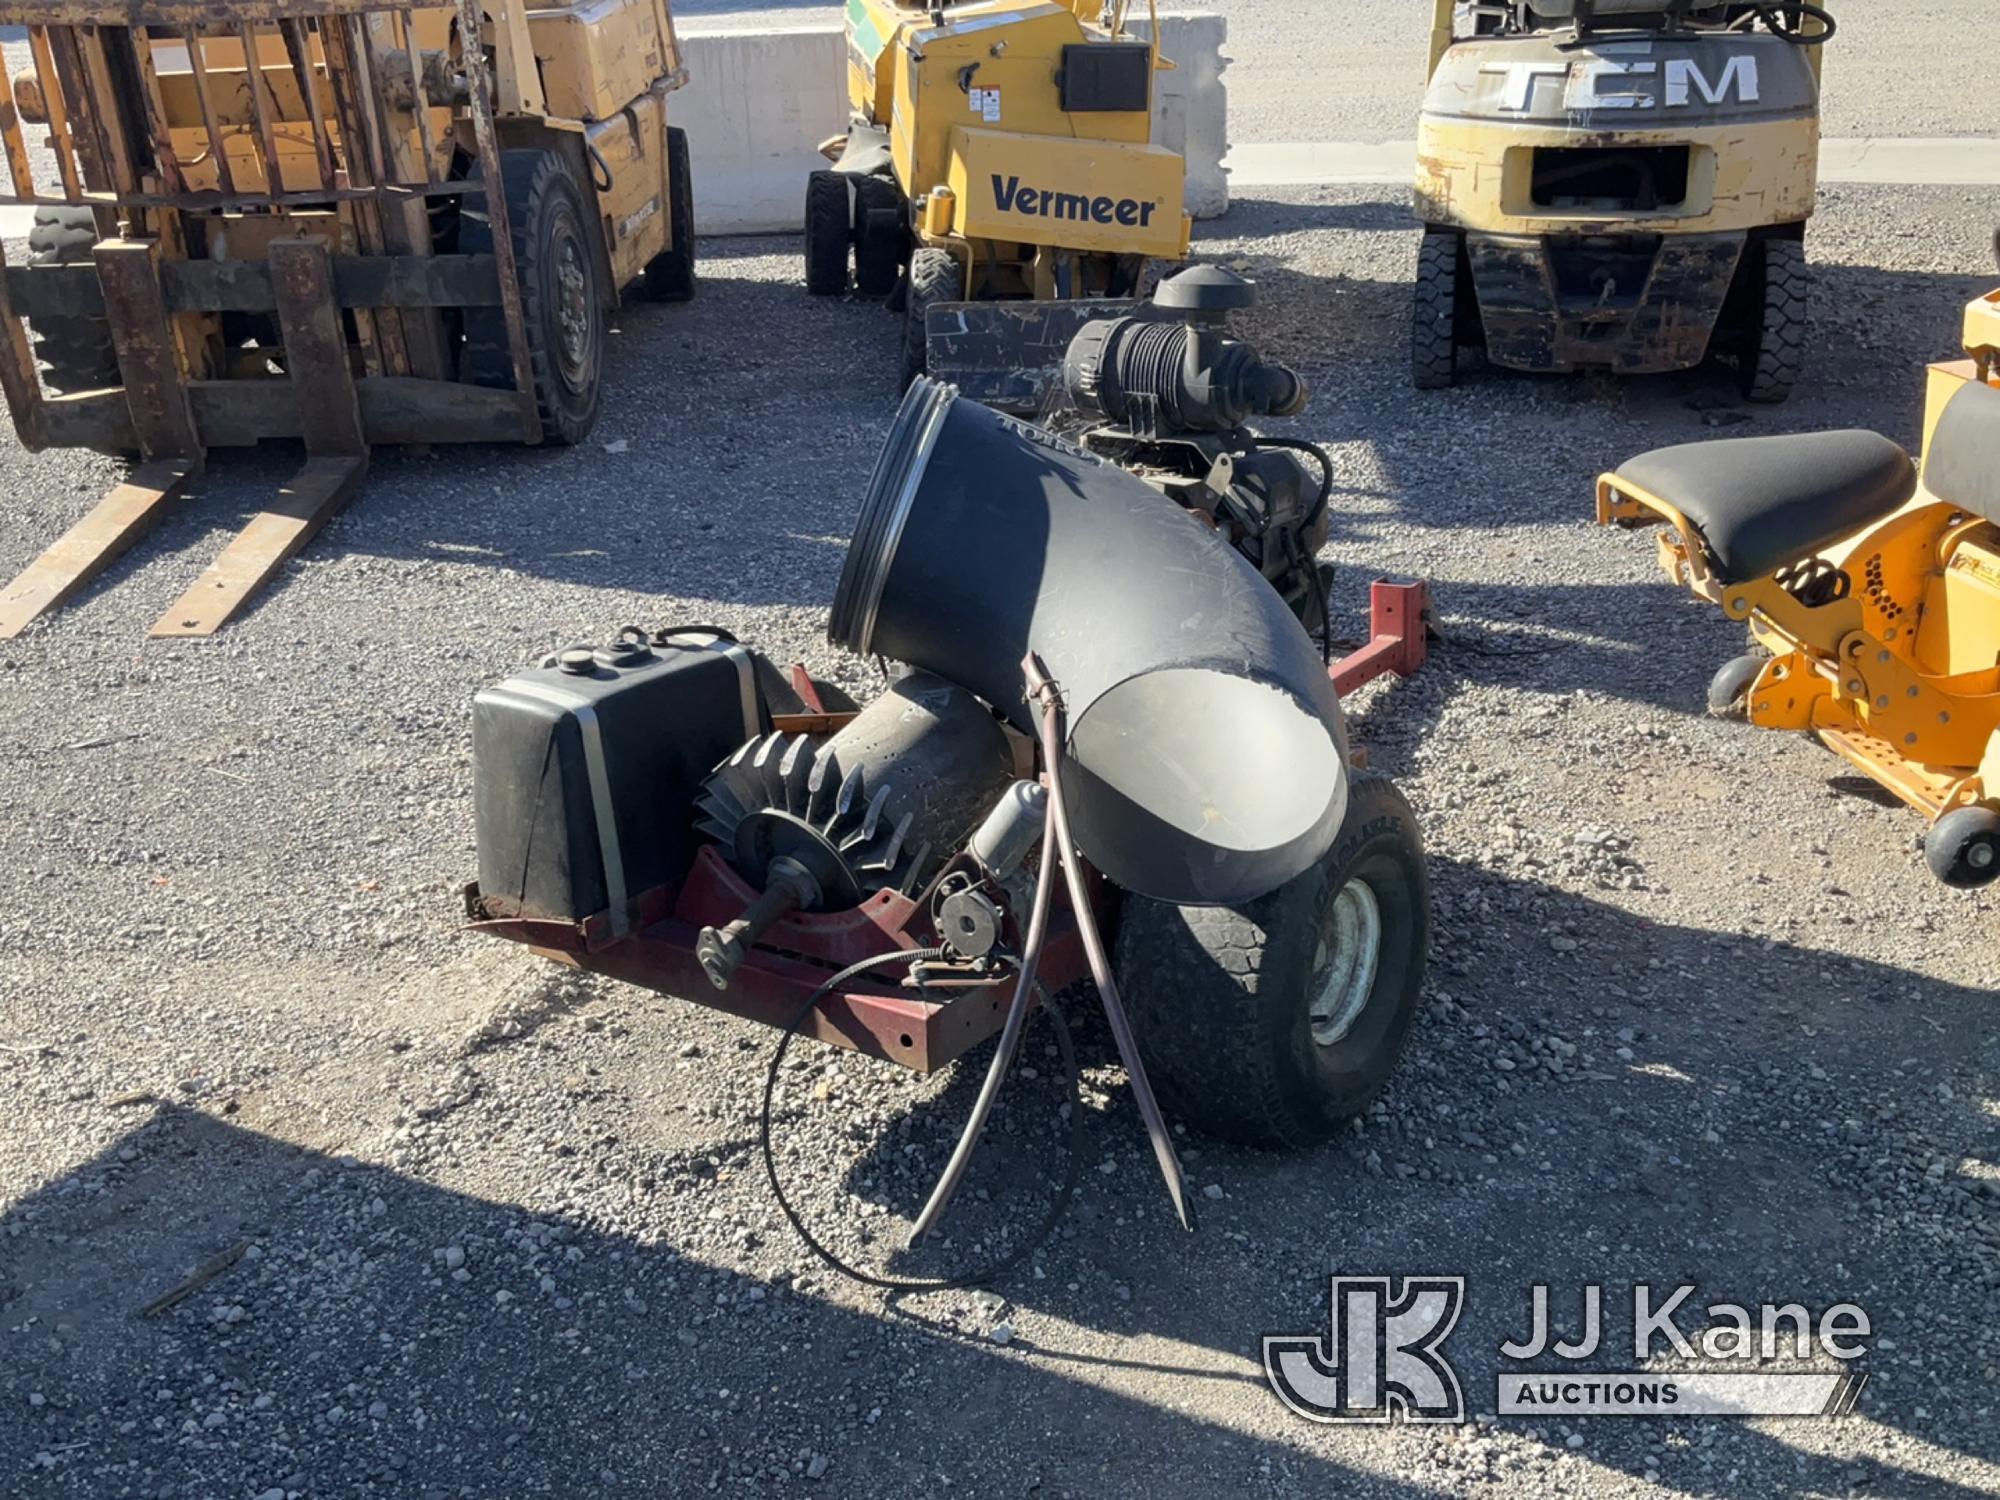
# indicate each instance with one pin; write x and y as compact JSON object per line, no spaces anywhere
{"x":900,"y":1025}
{"x":1399,"y":615}
{"x":921,"y":1030}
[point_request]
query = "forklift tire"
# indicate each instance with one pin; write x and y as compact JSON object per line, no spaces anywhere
{"x":1963,"y":847}
{"x":829,"y":234}
{"x":670,"y":274}
{"x":1434,"y":316}
{"x":881,"y":235}
{"x":934,"y":278}
{"x":75,"y":353}
{"x":1774,"y":353}
{"x":1730,"y":685}
{"x":562,"y":303}
{"x":1271,"y":1023}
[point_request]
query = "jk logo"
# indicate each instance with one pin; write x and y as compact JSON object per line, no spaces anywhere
{"x":1382,"y":1356}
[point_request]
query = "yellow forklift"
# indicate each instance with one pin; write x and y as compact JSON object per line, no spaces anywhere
{"x":275,"y":219}
{"x":1618,"y":184}
{"x":1000,"y":153}
{"x":1870,"y":587}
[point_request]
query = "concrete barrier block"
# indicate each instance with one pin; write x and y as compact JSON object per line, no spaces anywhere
{"x":757,"y":105}
{"x":1191,"y":105}
{"x":755,"y":108}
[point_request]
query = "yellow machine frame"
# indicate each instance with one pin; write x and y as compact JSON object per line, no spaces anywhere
{"x":243,"y":199}
{"x":1900,"y":676}
{"x":998,"y":157}
{"x":1529,"y":252}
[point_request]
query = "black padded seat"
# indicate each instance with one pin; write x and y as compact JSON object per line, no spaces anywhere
{"x":1761,"y":502}
{"x":1962,"y":464}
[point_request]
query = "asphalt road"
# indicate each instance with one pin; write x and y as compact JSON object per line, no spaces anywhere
{"x":1353,"y":70}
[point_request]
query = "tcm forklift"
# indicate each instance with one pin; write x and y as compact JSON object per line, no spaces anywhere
{"x":1870,"y":587}
{"x":1000,"y":153}
{"x":278,"y":219}
{"x":1618,"y":184}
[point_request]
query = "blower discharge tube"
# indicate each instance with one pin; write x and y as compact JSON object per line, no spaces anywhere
{"x":1206,"y":758}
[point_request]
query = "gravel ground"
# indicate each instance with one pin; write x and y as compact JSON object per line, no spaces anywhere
{"x":1317,"y":70}
{"x":1696,"y":1012}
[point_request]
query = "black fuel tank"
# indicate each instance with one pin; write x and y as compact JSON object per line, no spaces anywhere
{"x":585,"y":769}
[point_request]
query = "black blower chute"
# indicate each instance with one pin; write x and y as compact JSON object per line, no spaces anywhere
{"x":1206,"y":759}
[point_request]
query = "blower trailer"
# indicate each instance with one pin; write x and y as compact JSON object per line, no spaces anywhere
{"x":1261,"y":905}
{"x":273,"y":219}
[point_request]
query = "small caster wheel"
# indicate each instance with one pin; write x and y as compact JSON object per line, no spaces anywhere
{"x":1729,"y":687}
{"x":1963,"y":847}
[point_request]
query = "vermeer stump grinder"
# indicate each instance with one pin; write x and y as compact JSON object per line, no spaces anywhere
{"x":1619,"y":185}
{"x":1871,"y":590}
{"x":1089,"y":679}
{"x":999,"y":168}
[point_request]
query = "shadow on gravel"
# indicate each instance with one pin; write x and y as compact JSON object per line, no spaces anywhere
{"x":338,"y":1355}
{"x":1769,"y":1131}
{"x":1591,"y":1097}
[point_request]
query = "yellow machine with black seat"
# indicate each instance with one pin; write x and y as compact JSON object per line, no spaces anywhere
{"x":272,"y":219}
{"x":1619,"y":185}
{"x":1871,"y":591}
{"x":999,"y":169}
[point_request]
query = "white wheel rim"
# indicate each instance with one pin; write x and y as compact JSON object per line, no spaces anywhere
{"x":1344,"y":966}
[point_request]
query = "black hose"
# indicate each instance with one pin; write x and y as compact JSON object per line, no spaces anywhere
{"x":1010,"y":1036}
{"x":1064,"y":1044}
{"x":1795,"y":33}
{"x":1319,"y":456}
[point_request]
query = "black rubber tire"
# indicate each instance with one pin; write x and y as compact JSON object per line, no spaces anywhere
{"x":670,"y":275}
{"x":76,"y":353}
{"x":1730,"y":685}
{"x":1775,"y":349}
{"x":1963,"y":847}
{"x":1434,"y":312}
{"x":829,"y":234}
{"x":549,"y":223}
{"x":881,"y":235}
{"x":1220,"y":997}
{"x":934,"y":277}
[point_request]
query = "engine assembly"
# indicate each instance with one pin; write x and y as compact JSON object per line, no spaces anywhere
{"x":1167,"y":396}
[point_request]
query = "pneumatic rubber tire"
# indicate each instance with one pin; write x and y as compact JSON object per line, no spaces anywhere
{"x":562,"y":300}
{"x":76,"y":354}
{"x":934,"y":278}
{"x":1963,"y":847}
{"x":829,"y":234}
{"x":1730,"y":685}
{"x":1434,"y":312}
{"x":881,"y":235}
{"x":1223,"y":998}
{"x":1774,"y":354}
{"x":670,"y":275}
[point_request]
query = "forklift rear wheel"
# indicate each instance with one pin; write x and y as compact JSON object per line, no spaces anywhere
{"x":1271,"y":1023}
{"x":562,"y":303}
{"x":76,"y":352}
{"x":1963,"y":847}
{"x":1434,"y":317}
{"x":934,"y":278}
{"x":829,"y":234}
{"x":881,"y":235}
{"x":1775,"y":351}
{"x":670,"y":274}
{"x":1730,"y":686}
